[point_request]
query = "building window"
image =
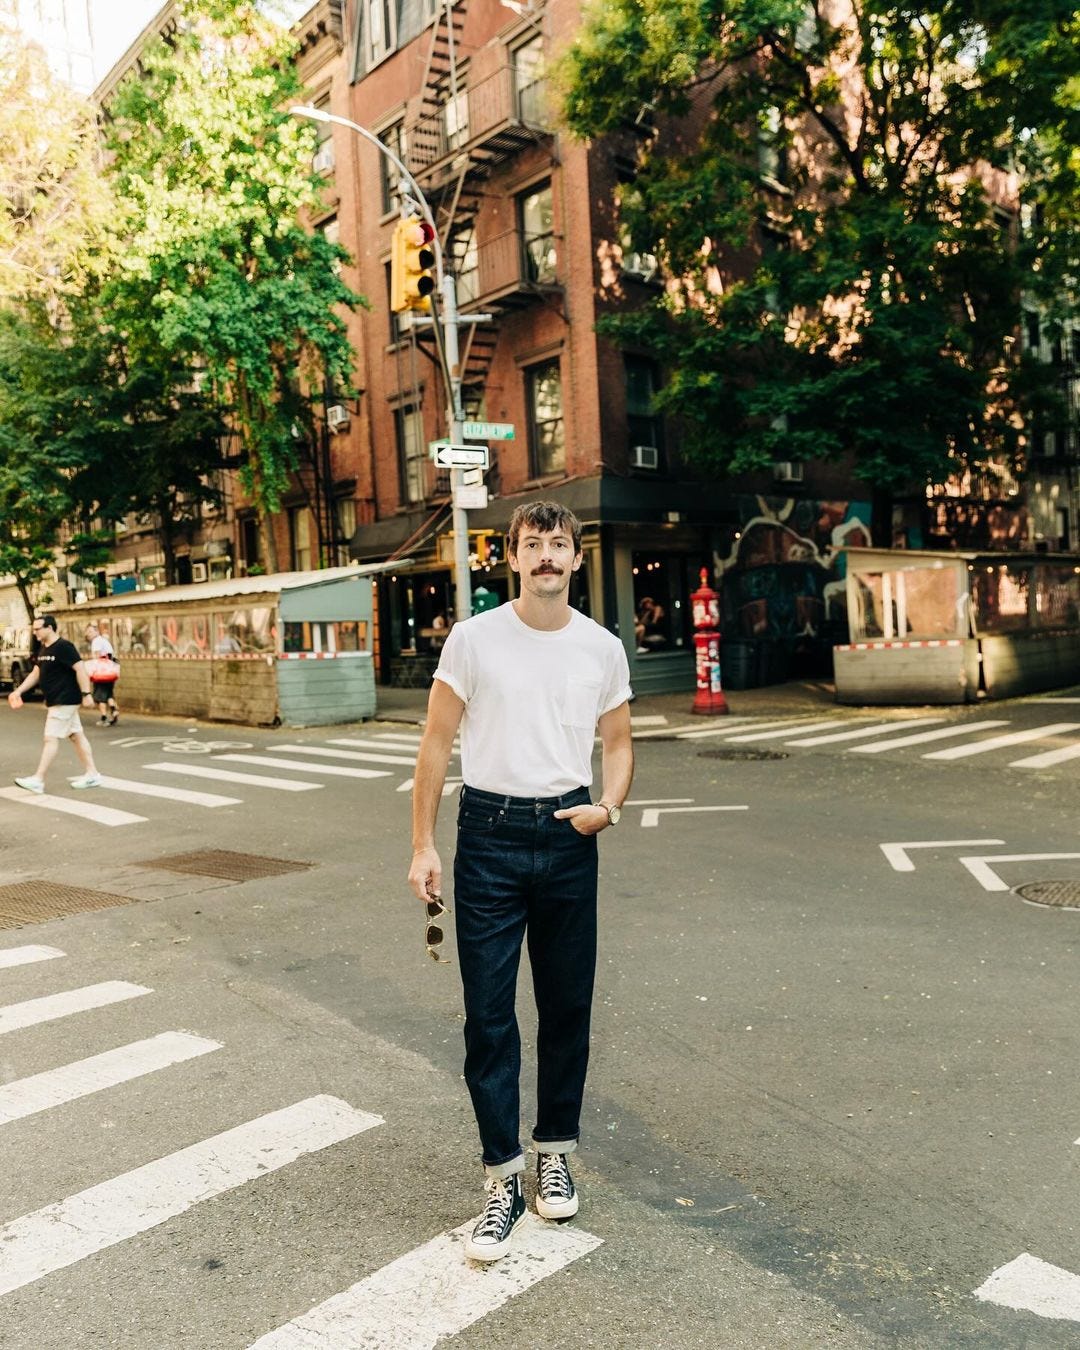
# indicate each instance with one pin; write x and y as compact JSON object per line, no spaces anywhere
{"x":412,"y":460}
{"x":380,"y":41}
{"x":772,"y":157}
{"x":323,"y":159}
{"x":345,"y":508}
{"x":249,"y":542}
{"x":546,"y":432}
{"x":528,"y":67}
{"x":644,"y":428}
{"x":536,"y":222}
{"x":398,"y":330}
{"x":456,"y":120}
{"x":393,"y":137}
{"x":467,"y":268}
{"x":300,"y":533}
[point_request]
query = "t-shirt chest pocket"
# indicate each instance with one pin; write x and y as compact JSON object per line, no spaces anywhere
{"x":581,"y":701}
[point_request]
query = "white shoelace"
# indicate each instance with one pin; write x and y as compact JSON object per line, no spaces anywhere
{"x":497,"y":1209}
{"x":554,"y":1177}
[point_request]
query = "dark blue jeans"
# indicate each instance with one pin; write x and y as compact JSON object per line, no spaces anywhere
{"x":518,"y":871}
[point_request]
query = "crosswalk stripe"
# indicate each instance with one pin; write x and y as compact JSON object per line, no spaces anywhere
{"x":70,"y":806}
{"x":304,"y":765}
{"x":792,"y":729}
{"x":383,"y":746}
{"x":366,"y":756}
{"x":432,"y":1292}
{"x":24,"y":956}
{"x":410,"y":738}
{"x":658,"y":720}
{"x":878,"y":729}
{"x":172,"y":794}
{"x":965,"y":729}
{"x":650,"y":732}
{"x":720,"y":727}
{"x":999,"y":742}
{"x":28,"y":1096}
{"x":57,"y":1236}
{"x":1048,"y":758}
{"x":15,"y":1016}
{"x":229,"y":776}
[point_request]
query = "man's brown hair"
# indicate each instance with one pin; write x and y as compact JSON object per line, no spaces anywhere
{"x":543,"y":517}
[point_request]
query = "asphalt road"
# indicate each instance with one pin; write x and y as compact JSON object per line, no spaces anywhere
{"x":830,"y":1098}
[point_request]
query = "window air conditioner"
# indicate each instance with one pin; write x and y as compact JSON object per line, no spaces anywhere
{"x":199,"y":571}
{"x":642,"y":265}
{"x":786,"y":471}
{"x":337,"y":416}
{"x":323,"y":159}
{"x":644,"y":457}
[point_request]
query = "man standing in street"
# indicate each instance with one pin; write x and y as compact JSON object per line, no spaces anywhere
{"x":529,"y":683}
{"x":65,"y":683}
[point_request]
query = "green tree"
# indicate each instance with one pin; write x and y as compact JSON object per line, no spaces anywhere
{"x":214,"y":265}
{"x":822,"y":195}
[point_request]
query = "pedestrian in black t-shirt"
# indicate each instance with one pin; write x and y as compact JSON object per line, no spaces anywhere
{"x":64,"y":682}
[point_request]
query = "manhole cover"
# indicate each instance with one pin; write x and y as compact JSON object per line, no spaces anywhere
{"x":225,"y":865}
{"x":739,"y":753}
{"x":36,"y":901}
{"x":1052,"y":894}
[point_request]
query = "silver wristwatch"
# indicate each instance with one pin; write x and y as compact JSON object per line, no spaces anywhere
{"x":614,"y":813}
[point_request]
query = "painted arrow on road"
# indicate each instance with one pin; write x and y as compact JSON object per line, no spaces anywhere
{"x":653,"y":814}
{"x":897,"y":853}
{"x":985,"y":875}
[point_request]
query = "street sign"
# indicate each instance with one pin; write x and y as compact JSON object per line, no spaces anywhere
{"x":488,"y":431}
{"x":471,"y":477}
{"x":471,"y":498}
{"x":449,"y":456}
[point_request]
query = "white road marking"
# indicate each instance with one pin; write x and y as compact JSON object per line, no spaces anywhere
{"x":411,"y":737}
{"x":658,"y":801}
{"x":792,"y":729}
{"x":721,"y":726}
{"x":651,"y":816}
{"x":61,"y":1234}
{"x":15,"y":1016}
{"x":304,"y":765}
{"x":169,"y":793}
{"x":1050,"y":700}
{"x":900,"y":862}
{"x":964,"y":729}
{"x":985,"y":875}
{"x":72,"y":806}
{"x":384,"y":745}
{"x":27,"y":1096}
{"x":1047,"y":758}
{"x":878,"y":729}
{"x":999,"y":742}
{"x":1030,"y":1285}
{"x":228,"y":776}
{"x":651,"y":721}
{"x":649,"y":732}
{"x":24,"y":956}
{"x":364,"y":755}
{"x":431,"y":1293}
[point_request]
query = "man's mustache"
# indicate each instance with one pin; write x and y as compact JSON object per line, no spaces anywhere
{"x":547,"y":571}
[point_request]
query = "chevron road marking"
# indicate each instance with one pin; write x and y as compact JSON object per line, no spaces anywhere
{"x":228,"y":776}
{"x":431,"y":1293}
{"x":900,"y":862}
{"x":985,"y":875}
{"x":71,"y":806}
{"x":304,"y":765}
{"x":999,"y":742}
{"x":28,"y":1014}
{"x":172,"y":794}
{"x":24,"y":956}
{"x":28,"y":1096}
{"x":1030,"y":1285}
{"x":61,"y":1234}
{"x":964,"y":730}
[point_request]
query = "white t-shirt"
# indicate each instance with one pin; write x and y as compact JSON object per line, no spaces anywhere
{"x":532,"y":699}
{"x":101,"y":646}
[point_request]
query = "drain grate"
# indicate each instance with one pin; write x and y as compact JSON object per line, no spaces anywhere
{"x":1051,"y":894}
{"x":36,"y":901}
{"x":226,"y":866}
{"x":739,"y":753}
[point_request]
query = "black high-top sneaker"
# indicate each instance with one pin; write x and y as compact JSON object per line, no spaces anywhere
{"x":504,"y":1210}
{"x":556,"y":1197}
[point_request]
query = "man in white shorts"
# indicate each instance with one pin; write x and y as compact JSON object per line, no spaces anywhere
{"x":64,"y":682}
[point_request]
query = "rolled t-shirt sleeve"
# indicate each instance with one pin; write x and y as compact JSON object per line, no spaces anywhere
{"x":617,"y":688}
{"x":456,"y":664}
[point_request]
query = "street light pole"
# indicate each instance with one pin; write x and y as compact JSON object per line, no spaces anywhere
{"x":450,"y":322}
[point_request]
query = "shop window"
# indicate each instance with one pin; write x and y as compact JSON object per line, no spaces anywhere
{"x":244,"y":632}
{"x":412,"y":454}
{"x":344,"y":635}
{"x":918,"y":603}
{"x":185,"y":635}
{"x":536,"y":221}
{"x":662,"y":586}
{"x":547,"y":435}
{"x":300,"y":533}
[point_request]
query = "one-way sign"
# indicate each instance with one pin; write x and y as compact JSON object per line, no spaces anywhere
{"x":449,"y":456}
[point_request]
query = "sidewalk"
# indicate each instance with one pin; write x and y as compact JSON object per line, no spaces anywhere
{"x":775,"y":700}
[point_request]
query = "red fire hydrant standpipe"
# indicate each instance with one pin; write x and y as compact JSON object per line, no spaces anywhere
{"x":709,"y":698}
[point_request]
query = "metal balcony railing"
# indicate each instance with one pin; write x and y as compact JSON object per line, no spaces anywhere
{"x":504,"y":112}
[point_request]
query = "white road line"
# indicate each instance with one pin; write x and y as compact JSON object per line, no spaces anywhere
{"x":15,"y":1016}
{"x":659,"y":801}
{"x":651,"y":815}
{"x":412,"y":738}
{"x":878,"y":729}
{"x":999,"y":742}
{"x":24,"y":956}
{"x":71,"y":806}
{"x":364,"y":755}
{"x":228,"y":776}
{"x":1030,"y":1285}
{"x":651,"y":721}
{"x":431,"y":1293}
{"x":61,"y":1234}
{"x":790,"y":730}
{"x":649,"y":732}
{"x":965,"y":729}
{"x":383,"y":745}
{"x":1040,"y":699}
{"x":1048,"y":758}
{"x":720,"y":726}
{"x":304,"y":765}
{"x":900,"y":862}
{"x":985,"y":875}
{"x":28,"y":1096}
{"x":172,"y":794}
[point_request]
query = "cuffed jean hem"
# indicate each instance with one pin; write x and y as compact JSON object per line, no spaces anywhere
{"x":555,"y":1145}
{"x":506,"y":1169}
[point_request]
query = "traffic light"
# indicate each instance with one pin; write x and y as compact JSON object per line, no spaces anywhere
{"x":412,"y":258}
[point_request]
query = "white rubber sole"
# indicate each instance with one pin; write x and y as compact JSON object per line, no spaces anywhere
{"x":561,"y":1209}
{"x":491,"y":1251}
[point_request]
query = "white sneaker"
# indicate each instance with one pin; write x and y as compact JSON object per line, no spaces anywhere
{"x":87,"y":780}
{"x":32,"y":784}
{"x":505,"y":1209}
{"x":556,"y":1195}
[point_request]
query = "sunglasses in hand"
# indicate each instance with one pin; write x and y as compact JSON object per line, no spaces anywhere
{"x":434,"y":936}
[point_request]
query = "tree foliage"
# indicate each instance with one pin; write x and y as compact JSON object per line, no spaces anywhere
{"x":824,"y":195}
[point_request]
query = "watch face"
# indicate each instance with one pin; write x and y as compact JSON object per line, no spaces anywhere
{"x":614,"y":814}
